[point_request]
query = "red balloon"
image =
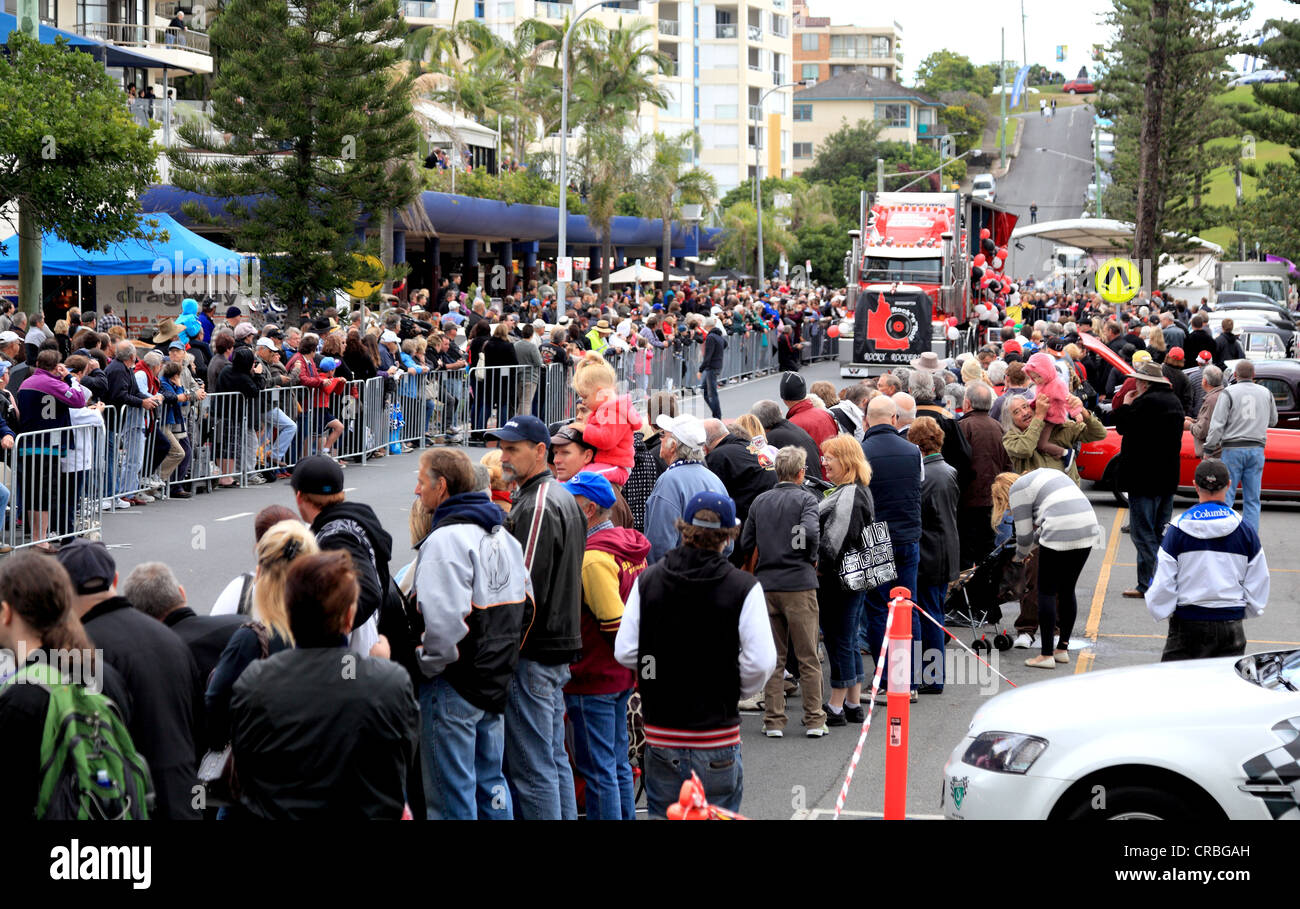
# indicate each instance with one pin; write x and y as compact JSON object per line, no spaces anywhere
{"x":833,"y":331}
{"x":952,"y":321}
{"x":979,"y":260}
{"x":1002,"y":253}
{"x":985,"y":234}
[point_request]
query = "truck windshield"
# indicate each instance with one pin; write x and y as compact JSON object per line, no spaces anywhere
{"x":1271,"y":288}
{"x":878,"y":270}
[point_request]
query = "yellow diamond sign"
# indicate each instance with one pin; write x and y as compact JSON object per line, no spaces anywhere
{"x":1118,"y":280}
{"x":363,"y":289}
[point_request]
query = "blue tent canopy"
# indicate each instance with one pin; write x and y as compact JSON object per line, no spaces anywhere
{"x":183,"y":252}
{"x":108,"y":54}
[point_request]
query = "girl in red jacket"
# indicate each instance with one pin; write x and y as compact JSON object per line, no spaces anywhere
{"x":611,"y":418}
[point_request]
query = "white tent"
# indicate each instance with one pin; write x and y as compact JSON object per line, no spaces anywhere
{"x":445,"y":127}
{"x":636,"y":274}
{"x":1093,"y":235}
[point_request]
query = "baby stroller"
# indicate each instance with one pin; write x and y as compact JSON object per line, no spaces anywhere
{"x":975,"y":598}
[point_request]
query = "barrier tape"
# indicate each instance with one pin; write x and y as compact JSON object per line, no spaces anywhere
{"x":866,"y":725}
{"x":962,"y":644}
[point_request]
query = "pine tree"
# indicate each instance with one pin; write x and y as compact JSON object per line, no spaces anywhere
{"x":321,"y":138}
{"x":1277,"y":118}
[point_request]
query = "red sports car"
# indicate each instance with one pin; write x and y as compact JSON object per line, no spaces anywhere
{"x":1078,"y":87}
{"x":1098,"y":460}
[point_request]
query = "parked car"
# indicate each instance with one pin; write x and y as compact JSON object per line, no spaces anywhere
{"x":1079,"y":87}
{"x":984,"y":187}
{"x":1254,"y":328}
{"x":1099,"y":461}
{"x":1244,"y":299}
{"x":1195,"y":740}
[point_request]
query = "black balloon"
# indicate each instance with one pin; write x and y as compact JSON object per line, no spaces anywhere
{"x":976,"y":273}
{"x":990,"y":248}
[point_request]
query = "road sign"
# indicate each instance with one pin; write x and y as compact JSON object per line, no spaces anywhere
{"x":362,"y":289}
{"x":564,"y":268}
{"x":1118,"y":280}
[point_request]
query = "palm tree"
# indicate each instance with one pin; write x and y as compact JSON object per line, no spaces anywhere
{"x":612,"y":73}
{"x":664,"y":186}
{"x":608,"y":159}
{"x":535,"y":83}
{"x":739,"y":245}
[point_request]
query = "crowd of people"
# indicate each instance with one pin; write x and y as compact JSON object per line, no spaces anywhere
{"x":639,"y":562}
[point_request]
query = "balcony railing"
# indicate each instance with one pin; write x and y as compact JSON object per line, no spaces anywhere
{"x":669,"y":27}
{"x":857,"y":53}
{"x":420,"y":9}
{"x":725,"y":30}
{"x":755,"y":112}
{"x":778,"y":77}
{"x":549,"y":10}
{"x":129,"y":35}
{"x":756,"y":33}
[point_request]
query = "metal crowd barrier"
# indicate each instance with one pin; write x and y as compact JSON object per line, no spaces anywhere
{"x":53,"y":479}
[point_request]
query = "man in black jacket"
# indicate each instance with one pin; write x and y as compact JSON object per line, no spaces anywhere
{"x":159,"y":672}
{"x":715,"y":342}
{"x":122,"y":391}
{"x":1198,"y":339}
{"x":781,"y":432}
{"x":1150,"y":424}
{"x":552,"y":530}
{"x":730,"y":459}
{"x":338,"y":524}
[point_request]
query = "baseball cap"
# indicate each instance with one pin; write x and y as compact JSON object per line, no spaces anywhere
{"x":570,"y":435}
{"x":317,"y":475}
{"x":245,"y":330}
{"x":523,"y":428}
{"x":592,"y":486}
{"x":453,"y":305}
{"x":176,"y":345}
{"x":328,"y":364}
{"x":1011,"y":347}
{"x":232,"y":312}
{"x":793,"y":387}
{"x":1141,"y":356}
{"x":8,"y":337}
{"x":1203,"y":357}
{"x":389,"y":337}
{"x":711,"y":501}
{"x":89,"y":564}
{"x":685,"y":428}
{"x":1211,"y":475}
{"x":267,"y":343}
{"x":1175,"y":353}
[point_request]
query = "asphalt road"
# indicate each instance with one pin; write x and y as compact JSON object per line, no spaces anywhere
{"x":1055,"y":182}
{"x":208,"y":540}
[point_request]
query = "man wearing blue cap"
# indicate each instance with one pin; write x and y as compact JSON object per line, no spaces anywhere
{"x":546,"y":521}
{"x":598,"y":692}
{"x":696,"y":633}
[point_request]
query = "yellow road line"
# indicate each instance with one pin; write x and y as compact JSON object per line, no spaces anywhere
{"x":1091,"y":630}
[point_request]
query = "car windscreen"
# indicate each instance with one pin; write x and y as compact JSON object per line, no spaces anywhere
{"x":1274,"y":290}
{"x":878,"y":270}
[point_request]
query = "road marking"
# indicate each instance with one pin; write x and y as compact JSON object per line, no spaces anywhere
{"x":1090,"y":631}
{"x":814,"y":814}
{"x":232,"y":517}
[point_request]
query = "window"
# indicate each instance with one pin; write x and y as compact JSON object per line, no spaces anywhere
{"x":1281,"y":393}
{"x":893,"y":115}
{"x":478,"y":9}
{"x":779,"y":26}
{"x":926,"y":117}
{"x":91,"y":11}
{"x":803,"y":149}
{"x":910,"y":271}
{"x":810,"y":41}
{"x":802,"y":113}
{"x":880,"y":47}
{"x":879,"y":72}
{"x":506,"y":10}
{"x":849,"y":46}
{"x":839,"y":69}
{"x":810,"y":71}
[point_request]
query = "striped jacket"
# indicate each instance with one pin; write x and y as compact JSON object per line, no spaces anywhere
{"x":1049,"y":509}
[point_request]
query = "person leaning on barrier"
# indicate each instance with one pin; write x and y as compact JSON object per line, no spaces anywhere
{"x":43,"y":404}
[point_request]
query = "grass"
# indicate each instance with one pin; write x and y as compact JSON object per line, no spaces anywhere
{"x":1029,"y":101}
{"x":1012,"y":125}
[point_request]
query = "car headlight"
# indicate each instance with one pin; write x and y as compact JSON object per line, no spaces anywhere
{"x":1004,"y":752}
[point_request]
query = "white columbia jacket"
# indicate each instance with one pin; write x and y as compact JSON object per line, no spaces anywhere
{"x":1211,"y":566}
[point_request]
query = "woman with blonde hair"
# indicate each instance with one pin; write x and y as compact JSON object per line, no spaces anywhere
{"x":758,"y":444}
{"x":276,"y":551}
{"x":843,"y":514}
{"x":500,"y":490}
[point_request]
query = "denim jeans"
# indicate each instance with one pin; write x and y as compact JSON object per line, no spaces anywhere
{"x":872,"y":629}
{"x":840,"y":612}
{"x":933,"y":640}
{"x":1246,"y":466}
{"x":600,"y":750}
{"x":461,"y":747}
{"x":4,"y":505}
{"x":720,"y":771}
{"x":132,"y":460}
{"x":286,"y":430}
{"x":710,"y":377}
{"x":536,"y":763}
{"x":1149,"y":515}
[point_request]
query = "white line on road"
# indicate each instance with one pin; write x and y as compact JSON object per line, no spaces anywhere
{"x":232,"y":517}
{"x":814,"y":814}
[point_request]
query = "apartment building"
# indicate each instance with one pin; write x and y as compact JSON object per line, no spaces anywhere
{"x":823,"y":51}
{"x":904,"y":114}
{"x":727,"y":56}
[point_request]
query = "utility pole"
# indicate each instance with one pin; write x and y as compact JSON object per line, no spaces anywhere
{"x":1096,"y":163}
{"x":1002,"y":79}
{"x":1024,"y":40}
{"x":29,"y":234}
{"x":880,"y":175}
{"x":1241,"y":241}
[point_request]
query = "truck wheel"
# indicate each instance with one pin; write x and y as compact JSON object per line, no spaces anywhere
{"x":1132,"y":803}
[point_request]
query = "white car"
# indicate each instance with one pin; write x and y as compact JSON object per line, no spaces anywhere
{"x":1192,"y":740}
{"x":984,"y":187}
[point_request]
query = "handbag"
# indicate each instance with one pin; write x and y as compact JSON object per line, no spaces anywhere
{"x":480,"y":370}
{"x":217,"y":769}
{"x":870,"y":563}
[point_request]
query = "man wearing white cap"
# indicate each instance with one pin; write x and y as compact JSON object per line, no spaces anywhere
{"x":682,"y":449}
{"x":388,"y":345}
{"x":454,"y":314}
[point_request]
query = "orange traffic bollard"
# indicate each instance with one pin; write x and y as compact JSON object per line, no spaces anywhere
{"x":898,"y":702}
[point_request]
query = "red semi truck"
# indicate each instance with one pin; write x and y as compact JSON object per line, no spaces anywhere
{"x":911,"y":270}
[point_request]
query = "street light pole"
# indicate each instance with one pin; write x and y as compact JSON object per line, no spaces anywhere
{"x":758,"y":178}
{"x":562,"y":239}
{"x":1096,"y":163}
